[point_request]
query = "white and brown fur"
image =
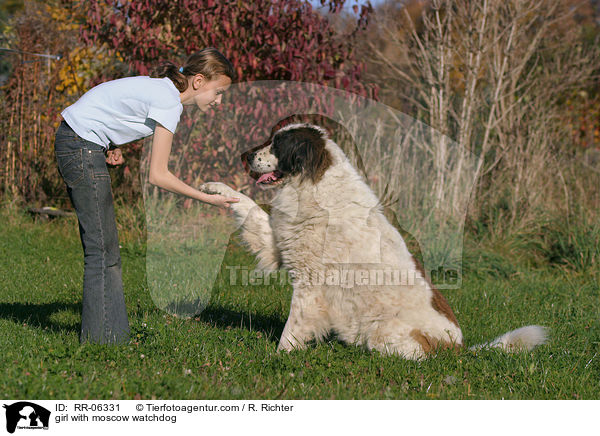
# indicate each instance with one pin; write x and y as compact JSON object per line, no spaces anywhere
{"x":324,"y":216}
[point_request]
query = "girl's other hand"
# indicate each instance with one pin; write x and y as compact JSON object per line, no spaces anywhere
{"x":114,"y":157}
{"x":222,"y":201}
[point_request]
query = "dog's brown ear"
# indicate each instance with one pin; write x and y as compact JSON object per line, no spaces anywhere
{"x":302,"y":151}
{"x":321,"y":161}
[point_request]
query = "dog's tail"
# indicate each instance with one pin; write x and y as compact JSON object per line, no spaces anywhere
{"x":524,"y":338}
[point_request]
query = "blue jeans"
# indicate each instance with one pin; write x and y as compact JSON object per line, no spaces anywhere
{"x":82,"y":165}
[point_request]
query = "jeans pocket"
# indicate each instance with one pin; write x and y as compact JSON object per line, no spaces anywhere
{"x":70,"y":166}
{"x":98,"y":164}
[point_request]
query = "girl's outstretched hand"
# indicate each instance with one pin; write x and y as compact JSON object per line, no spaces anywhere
{"x":222,"y":201}
{"x":114,"y":157}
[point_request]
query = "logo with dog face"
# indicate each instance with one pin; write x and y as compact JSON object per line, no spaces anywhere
{"x":26,"y":415}
{"x":420,"y":179}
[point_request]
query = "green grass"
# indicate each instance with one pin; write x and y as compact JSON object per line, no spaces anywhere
{"x":229,"y":351}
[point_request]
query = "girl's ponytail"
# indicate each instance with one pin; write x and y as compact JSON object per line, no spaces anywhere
{"x":209,"y":62}
{"x":172,"y":71}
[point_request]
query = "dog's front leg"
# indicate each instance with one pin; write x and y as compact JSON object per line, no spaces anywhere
{"x":256,"y":229}
{"x":302,"y":323}
{"x":293,"y":336}
{"x":240,"y":209}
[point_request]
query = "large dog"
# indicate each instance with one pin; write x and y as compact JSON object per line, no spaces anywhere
{"x":352,"y":272}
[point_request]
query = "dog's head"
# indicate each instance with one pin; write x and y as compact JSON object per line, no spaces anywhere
{"x":294,"y":150}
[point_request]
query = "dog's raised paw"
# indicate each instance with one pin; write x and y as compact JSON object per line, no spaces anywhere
{"x":217,"y":188}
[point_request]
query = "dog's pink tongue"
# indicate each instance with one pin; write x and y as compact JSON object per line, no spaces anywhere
{"x":265,"y":177}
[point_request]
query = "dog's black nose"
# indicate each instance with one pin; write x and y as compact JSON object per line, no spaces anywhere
{"x":250,"y":156}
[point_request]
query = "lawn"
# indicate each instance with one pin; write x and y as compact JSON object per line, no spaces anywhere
{"x":229,"y":351}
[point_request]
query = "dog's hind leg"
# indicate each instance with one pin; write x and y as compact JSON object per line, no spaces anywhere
{"x":393,"y":336}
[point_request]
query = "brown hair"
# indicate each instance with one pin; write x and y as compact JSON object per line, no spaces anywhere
{"x":209,"y":62}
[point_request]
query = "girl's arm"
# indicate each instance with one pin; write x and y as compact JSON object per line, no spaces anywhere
{"x":163,"y":178}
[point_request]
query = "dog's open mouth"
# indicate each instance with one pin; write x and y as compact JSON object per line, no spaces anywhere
{"x":271,"y":178}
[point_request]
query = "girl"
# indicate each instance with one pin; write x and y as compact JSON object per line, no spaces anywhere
{"x":115,"y":113}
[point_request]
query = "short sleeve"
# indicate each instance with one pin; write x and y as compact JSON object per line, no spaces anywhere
{"x":168,"y":117}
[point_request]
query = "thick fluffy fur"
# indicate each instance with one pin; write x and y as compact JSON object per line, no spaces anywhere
{"x":327,"y":224}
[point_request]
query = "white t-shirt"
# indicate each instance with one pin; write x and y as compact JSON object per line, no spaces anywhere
{"x":123,"y":110}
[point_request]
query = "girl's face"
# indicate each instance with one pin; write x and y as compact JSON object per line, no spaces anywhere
{"x":205,"y":93}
